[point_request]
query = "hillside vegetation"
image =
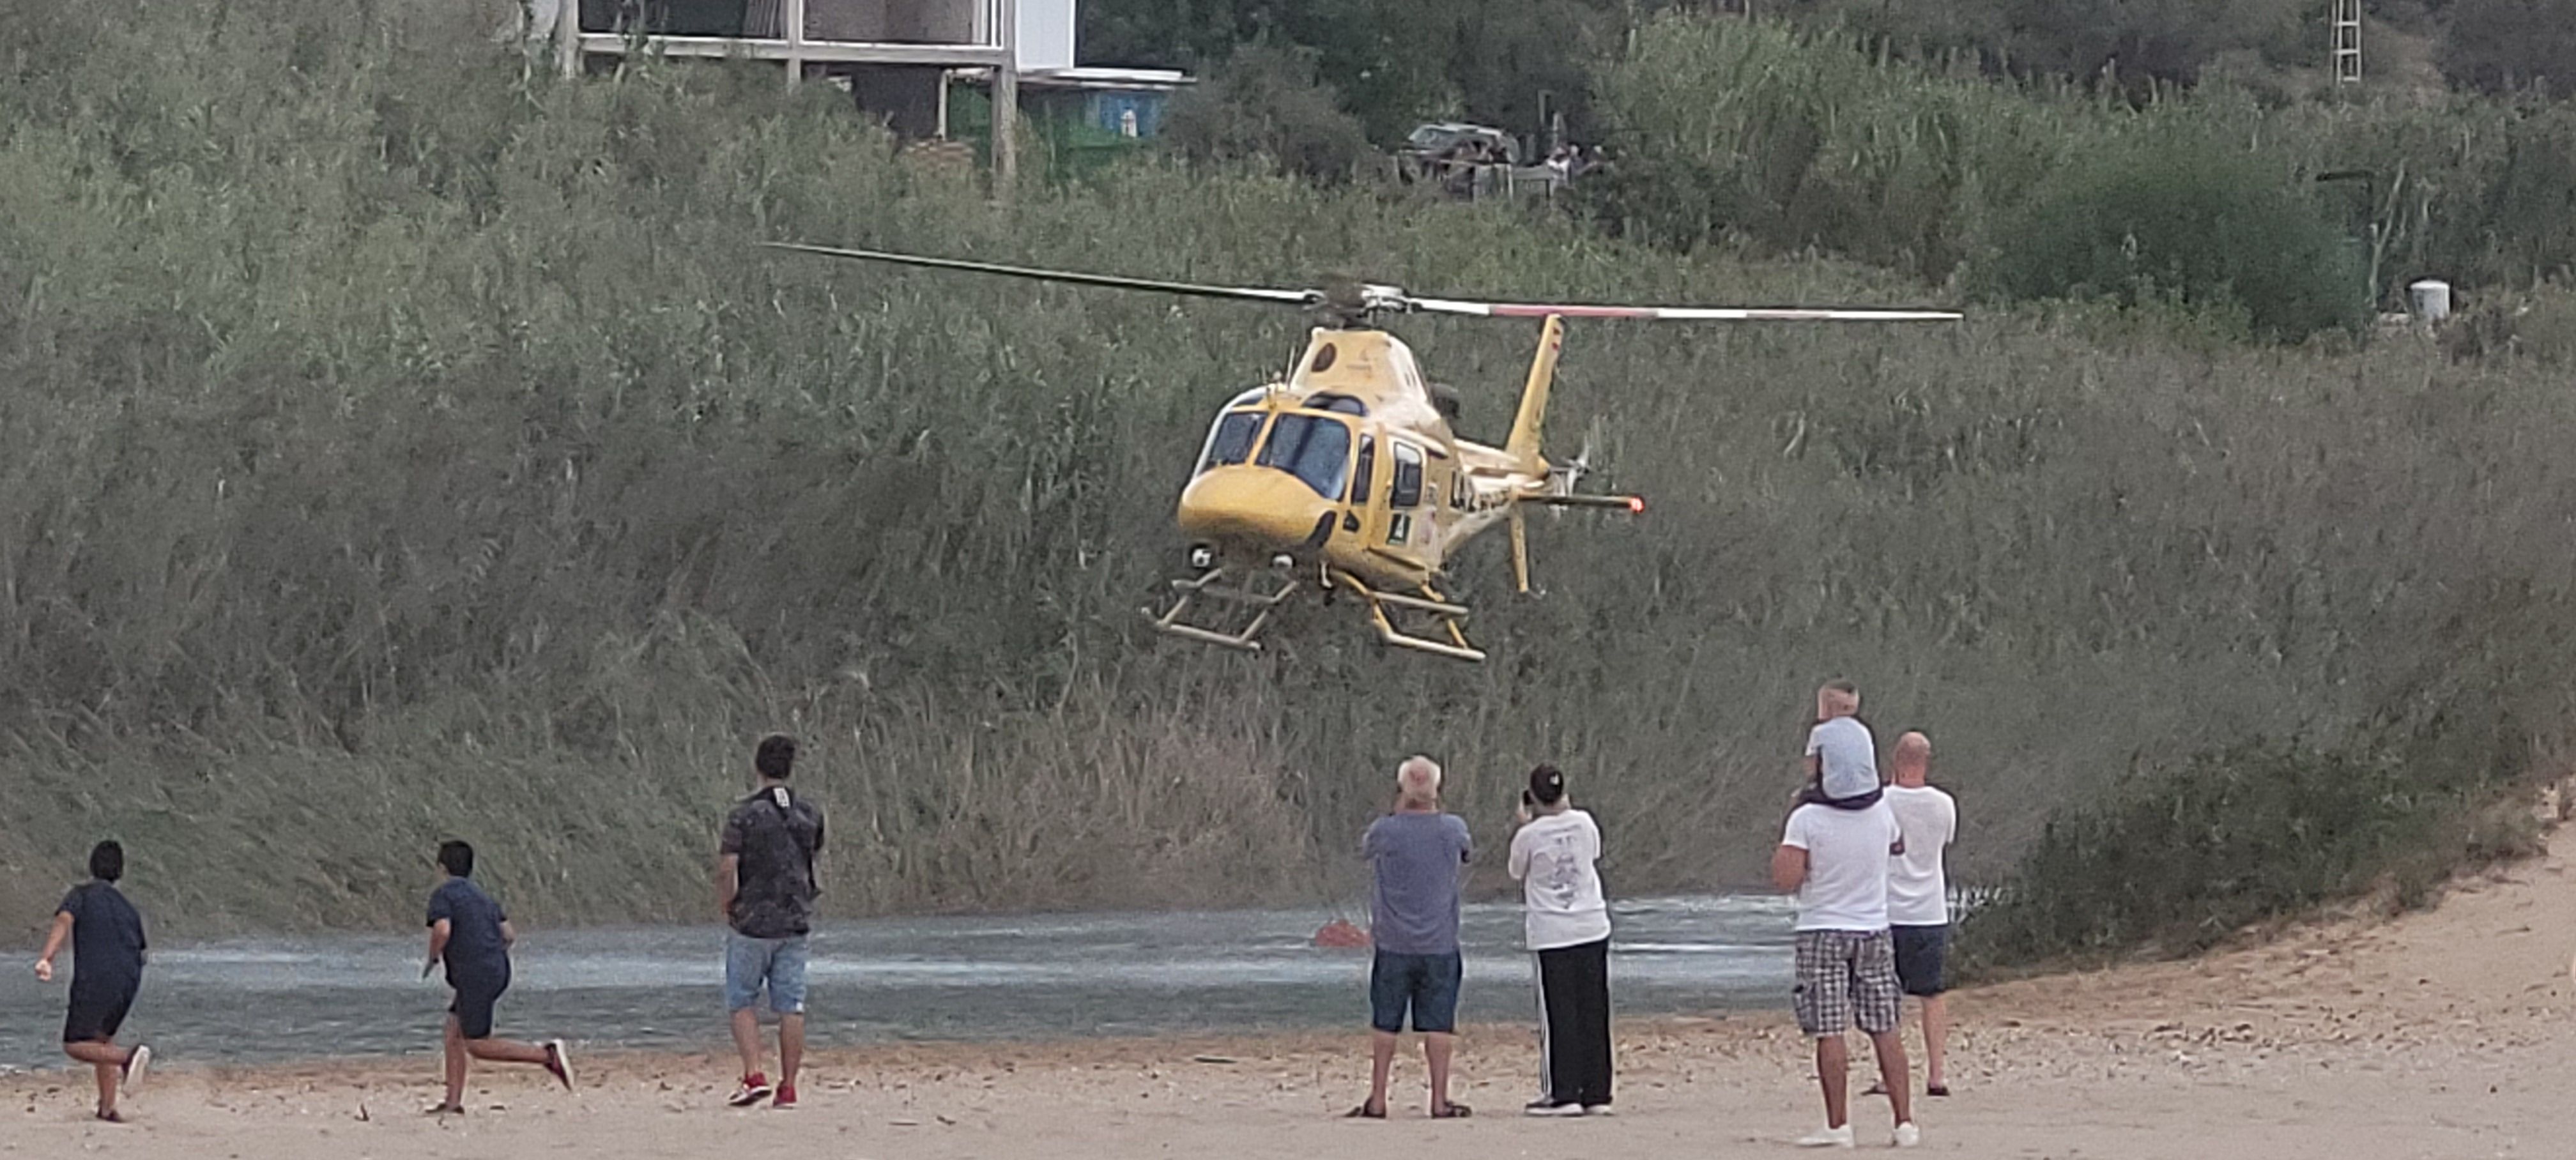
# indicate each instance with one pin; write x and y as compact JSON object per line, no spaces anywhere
{"x":396,"y":443}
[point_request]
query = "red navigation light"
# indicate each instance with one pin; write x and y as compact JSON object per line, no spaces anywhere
{"x":1636,"y":505}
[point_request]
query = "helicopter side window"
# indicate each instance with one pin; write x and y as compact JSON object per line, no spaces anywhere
{"x":1231,"y":440}
{"x":1408,"y":476}
{"x":1315,"y":449}
{"x":1364,"y":476}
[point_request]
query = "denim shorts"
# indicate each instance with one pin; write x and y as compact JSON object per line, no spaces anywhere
{"x":1425,"y":984}
{"x":777,"y":962}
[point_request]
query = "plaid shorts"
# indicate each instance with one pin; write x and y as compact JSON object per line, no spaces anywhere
{"x":1846,"y":976}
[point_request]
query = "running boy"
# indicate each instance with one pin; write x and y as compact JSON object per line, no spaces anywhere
{"x":470,"y":934}
{"x":107,"y":969}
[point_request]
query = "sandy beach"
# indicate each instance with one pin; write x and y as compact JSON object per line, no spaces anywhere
{"x":2439,"y":1035}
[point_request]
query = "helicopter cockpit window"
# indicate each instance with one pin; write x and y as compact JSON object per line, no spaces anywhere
{"x":1365,"y":475}
{"x":1231,"y":441}
{"x":1313,"y":448}
{"x":1338,"y":404}
{"x":1408,"y":477}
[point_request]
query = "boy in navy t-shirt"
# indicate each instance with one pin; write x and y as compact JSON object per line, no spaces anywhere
{"x":469,"y":933}
{"x":107,"y":969}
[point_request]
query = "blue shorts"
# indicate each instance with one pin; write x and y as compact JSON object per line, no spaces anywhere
{"x":778,"y":963}
{"x":473,"y":1005}
{"x":1425,"y":984}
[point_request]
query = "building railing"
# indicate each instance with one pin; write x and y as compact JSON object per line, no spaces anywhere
{"x":784,"y":31}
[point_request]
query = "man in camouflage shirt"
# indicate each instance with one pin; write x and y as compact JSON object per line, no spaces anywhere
{"x":765,"y":885}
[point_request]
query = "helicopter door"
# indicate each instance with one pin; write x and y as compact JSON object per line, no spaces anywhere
{"x":1405,"y":496}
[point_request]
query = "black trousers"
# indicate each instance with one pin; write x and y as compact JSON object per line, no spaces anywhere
{"x":1574,"y":1023}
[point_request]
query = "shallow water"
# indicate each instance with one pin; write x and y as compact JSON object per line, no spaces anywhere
{"x":896,"y":978}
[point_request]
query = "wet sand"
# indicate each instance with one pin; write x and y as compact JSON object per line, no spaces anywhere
{"x":2438,"y":1035}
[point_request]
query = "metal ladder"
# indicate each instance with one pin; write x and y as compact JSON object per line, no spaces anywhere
{"x":2346,"y":22}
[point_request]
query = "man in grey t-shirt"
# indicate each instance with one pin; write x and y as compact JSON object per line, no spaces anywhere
{"x":1416,"y":855}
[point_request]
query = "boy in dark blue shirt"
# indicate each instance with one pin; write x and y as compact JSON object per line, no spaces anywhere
{"x":470,"y":934}
{"x":107,"y":969}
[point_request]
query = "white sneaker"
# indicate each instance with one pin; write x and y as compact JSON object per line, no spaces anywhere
{"x":1907,"y":1135}
{"x":1828,"y":1138}
{"x":135,"y":1065}
{"x":1596,"y":1109}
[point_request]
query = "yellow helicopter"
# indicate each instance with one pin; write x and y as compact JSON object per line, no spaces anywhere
{"x":1344,"y":476}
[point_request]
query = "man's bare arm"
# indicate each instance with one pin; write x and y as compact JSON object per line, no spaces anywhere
{"x":54,"y":939}
{"x":728,"y":883}
{"x":438,"y":932}
{"x":1788,"y":868}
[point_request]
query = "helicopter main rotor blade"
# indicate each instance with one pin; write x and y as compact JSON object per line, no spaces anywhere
{"x":1677,"y":313}
{"x":1192,"y":289}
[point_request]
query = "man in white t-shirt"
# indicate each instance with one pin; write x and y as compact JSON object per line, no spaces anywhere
{"x":1836,"y":861}
{"x":1918,"y":895}
{"x":1568,"y":926}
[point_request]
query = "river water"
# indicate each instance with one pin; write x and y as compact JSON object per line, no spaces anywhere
{"x":888,"y":979}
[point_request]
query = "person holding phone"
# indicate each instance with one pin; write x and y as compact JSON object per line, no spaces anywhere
{"x":1567,"y":924}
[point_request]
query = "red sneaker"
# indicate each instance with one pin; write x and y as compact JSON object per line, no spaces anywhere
{"x":786,"y":1100}
{"x":755,"y":1088}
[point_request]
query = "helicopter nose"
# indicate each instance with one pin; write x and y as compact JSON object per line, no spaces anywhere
{"x":1262,"y":508}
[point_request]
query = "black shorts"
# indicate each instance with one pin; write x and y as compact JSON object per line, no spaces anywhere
{"x":475,"y":999}
{"x":98,"y":1008}
{"x":1922,"y":958}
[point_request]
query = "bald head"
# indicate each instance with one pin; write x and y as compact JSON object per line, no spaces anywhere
{"x":1417,"y":783}
{"x":1911,"y":760}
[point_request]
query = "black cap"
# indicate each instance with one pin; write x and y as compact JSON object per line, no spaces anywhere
{"x":1547,"y":785}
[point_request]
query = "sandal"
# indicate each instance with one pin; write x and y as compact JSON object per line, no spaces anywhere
{"x":1362,"y":1112}
{"x":111,"y":1117}
{"x":1452,"y":1112}
{"x":444,"y":1109}
{"x":1938,"y":1089}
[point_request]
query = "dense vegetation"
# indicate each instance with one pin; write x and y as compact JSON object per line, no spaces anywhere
{"x":1512,"y":62}
{"x":395,"y":442}
{"x":1790,"y":140}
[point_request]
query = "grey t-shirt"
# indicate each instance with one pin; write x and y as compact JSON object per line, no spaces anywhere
{"x":1850,"y":757}
{"x":1414,"y":907}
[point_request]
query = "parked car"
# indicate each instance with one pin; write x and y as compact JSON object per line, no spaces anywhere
{"x":1443,"y":141}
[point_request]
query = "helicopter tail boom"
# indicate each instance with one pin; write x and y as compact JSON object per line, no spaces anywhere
{"x":1528,"y":425}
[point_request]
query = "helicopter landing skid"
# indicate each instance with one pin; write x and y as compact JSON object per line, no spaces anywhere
{"x":1248,"y":639}
{"x":1430,"y":603}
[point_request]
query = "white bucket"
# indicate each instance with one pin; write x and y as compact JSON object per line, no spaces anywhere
{"x":2429,"y":299}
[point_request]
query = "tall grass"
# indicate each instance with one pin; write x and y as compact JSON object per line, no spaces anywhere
{"x":397,"y":443}
{"x":1782,"y":139}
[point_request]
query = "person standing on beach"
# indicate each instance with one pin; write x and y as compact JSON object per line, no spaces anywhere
{"x":1417,"y":855}
{"x":1836,"y":860}
{"x":1567,"y":924}
{"x":1918,"y":895}
{"x":765,"y":886}
{"x":106,"y":936}
{"x":470,"y":935}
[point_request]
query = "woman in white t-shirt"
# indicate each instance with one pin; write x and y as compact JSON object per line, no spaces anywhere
{"x":1568,"y":926}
